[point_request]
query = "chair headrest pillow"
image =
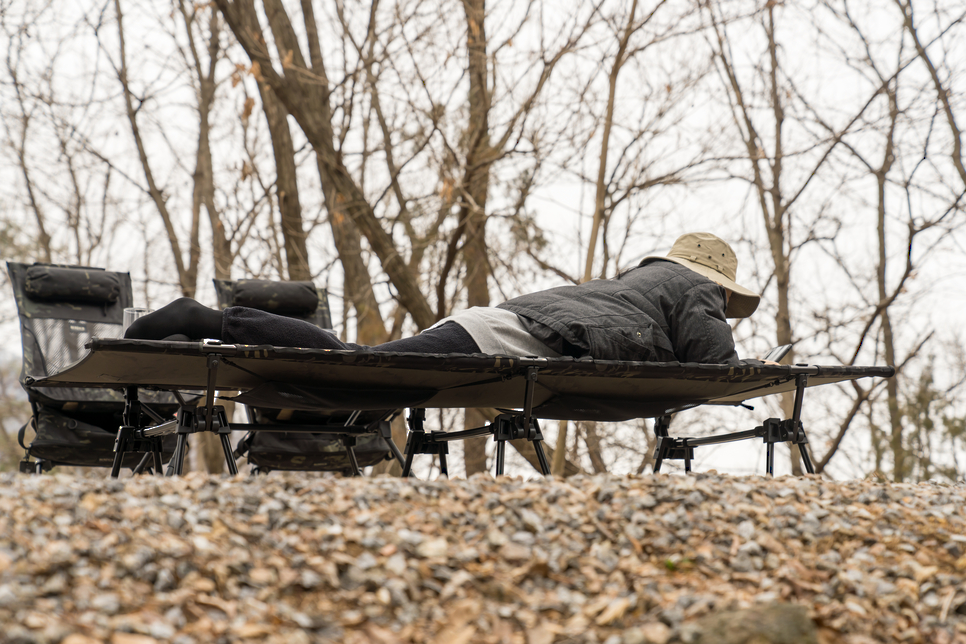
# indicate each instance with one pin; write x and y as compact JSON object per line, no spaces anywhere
{"x":277,"y":297}
{"x":55,"y":284}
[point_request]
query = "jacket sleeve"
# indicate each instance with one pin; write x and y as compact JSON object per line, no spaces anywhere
{"x":699,"y":330}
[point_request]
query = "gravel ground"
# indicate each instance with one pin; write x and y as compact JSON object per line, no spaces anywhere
{"x":615,"y":560}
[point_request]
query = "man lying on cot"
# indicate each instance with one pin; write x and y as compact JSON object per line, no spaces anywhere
{"x":665,"y":309}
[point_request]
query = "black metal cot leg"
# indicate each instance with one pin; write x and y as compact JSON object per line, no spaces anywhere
{"x":687,"y":457}
{"x":806,"y":459}
{"x":176,"y":464}
{"x":416,"y":417}
{"x":120,"y":446}
{"x":158,"y":460}
{"x":770,"y":459}
{"x":229,"y":456}
{"x":500,"y":457}
{"x":661,"y":425}
{"x":801,"y":381}
{"x":541,"y":457}
{"x":443,"y":469}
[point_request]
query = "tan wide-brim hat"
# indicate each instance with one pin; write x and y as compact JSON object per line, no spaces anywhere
{"x":712,"y":257}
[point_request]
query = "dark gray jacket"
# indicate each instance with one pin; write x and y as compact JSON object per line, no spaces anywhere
{"x":659,"y":312}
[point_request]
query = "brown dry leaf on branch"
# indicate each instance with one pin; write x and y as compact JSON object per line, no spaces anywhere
{"x":607,"y":560}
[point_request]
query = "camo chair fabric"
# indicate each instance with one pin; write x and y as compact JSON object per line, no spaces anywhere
{"x":306,"y":452}
{"x":61,"y":308}
{"x":312,"y":452}
{"x":300,"y":300}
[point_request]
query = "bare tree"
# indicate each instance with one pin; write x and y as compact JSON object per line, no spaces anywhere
{"x":779,"y":177}
{"x":302,"y":85}
{"x":893,"y":149}
{"x":626,"y":168}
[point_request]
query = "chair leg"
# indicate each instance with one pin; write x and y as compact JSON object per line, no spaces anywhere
{"x":396,"y":454}
{"x":353,"y":461}
{"x":408,"y":464}
{"x":143,"y":464}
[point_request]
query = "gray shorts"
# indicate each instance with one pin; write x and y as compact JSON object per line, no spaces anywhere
{"x":499,"y":332}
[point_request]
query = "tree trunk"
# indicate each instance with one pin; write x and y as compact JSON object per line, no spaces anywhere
{"x":286,"y":186}
{"x":476,"y":181}
{"x":592,"y":440}
{"x":208,"y":445}
{"x":899,"y":453}
{"x":304,"y":91}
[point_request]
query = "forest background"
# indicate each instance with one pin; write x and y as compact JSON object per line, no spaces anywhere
{"x":416,"y":157}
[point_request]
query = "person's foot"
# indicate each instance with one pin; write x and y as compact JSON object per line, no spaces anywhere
{"x":183,"y":319}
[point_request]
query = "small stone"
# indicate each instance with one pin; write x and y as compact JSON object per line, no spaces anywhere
{"x":770,"y":624}
{"x":78,"y":638}
{"x":107,"y":603}
{"x":515,"y":552}
{"x":649,"y":633}
{"x":432,"y":548}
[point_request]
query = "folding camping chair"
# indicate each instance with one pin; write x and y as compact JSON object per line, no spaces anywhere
{"x":61,"y":308}
{"x":350,"y":439}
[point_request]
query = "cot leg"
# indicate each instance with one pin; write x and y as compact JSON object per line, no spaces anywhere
{"x":229,"y":457}
{"x":770,"y":459}
{"x":801,"y":381}
{"x":176,"y":464}
{"x":416,"y":417}
{"x":806,"y":459}
{"x":687,"y":457}
{"x":661,"y":425}
{"x":541,"y":457}
{"x":443,"y":468}
{"x":158,"y":461}
{"x":120,"y":446}
{"x":500,"y":457}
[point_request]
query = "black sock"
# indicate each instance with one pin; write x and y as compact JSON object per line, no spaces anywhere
{"x":184,"y":317}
